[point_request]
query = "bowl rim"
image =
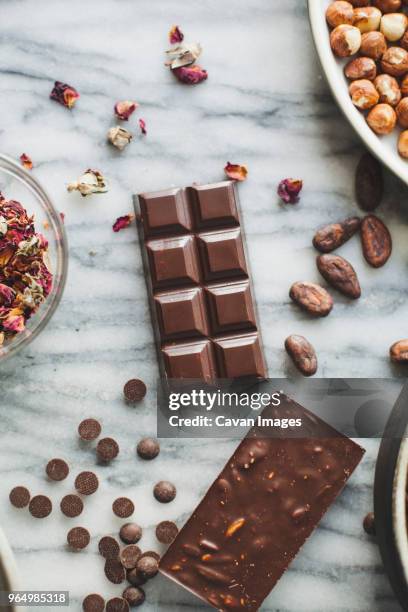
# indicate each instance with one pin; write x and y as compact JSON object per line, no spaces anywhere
{"x":374,"y":143}
{"x":12,"y":167}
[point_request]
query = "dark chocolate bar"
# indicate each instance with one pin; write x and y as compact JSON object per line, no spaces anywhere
{"x":197,"y":276}
{"x":260,"y":510}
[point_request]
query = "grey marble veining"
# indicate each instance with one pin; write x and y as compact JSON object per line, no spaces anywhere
{"x":265,"y":104}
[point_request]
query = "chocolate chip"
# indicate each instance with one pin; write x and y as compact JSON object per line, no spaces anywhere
{"x":71,"y":505}
{"x":57,"y":469}
{"x":86,"y":483}
{"x":147,"y":567}
{"x":114,"y":571}
{"x":148,"y":448}
{"x":134,"y":596}
{"x":40,"y":506}
{"x":134,"y":390}
{"x":123,"y":507}
{"x":109,"y":547}
{"x":89,"y":429}
{"x":117,"y":604}
{"x":151,"y":553}
{"x":93,"y":603}
{"x":78,"y":538}
{"x":134,"y":578}
{"x":369,"y":524}
{"x":107,"y":449}
{"x":130,"y":555}
{"x":130,"y":533}
{"x":166,"y":531}
{"x":19,"y":497}
{"x":164,"y":492}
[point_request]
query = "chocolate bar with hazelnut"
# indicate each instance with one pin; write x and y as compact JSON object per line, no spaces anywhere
{"x":260,"y":510}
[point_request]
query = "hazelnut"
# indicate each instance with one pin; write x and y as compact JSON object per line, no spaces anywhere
{"x":388,"y":88}
{"x":339,"y":12}
{"x":393,"y":26}
{"x":363,"y":94}
{"x":404,"y":41}
{"x":373,"y":44}
{"x":402,"y":113}
{"x":395,"y":61}
{"x":345,"y":40}
{"x":388,"y":6}
{"x":382,"y":119}
{"x":367,"y":18}
{"x":361,"y":68}
{"x":404,"y":86}
{"x":403,"y":144}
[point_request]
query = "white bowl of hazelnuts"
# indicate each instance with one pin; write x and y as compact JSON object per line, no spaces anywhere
{"x":363,"y":49}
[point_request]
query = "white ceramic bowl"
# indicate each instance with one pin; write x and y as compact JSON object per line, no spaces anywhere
{"x":383,"y":147}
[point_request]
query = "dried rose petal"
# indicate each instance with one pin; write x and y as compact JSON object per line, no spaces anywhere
{"x":7,"y":295}
{"x":122,"y":222}
{"x":183,"y":55}
{"x":236,"y":172}
{"x":26,"y":161}
{"x":124,"y":109}
{"x":191,"y":75}
{"x":62,"y":217}
{"x":64,"y":94}
{"x":289,"y":190}
{"x":92,"y":181}
{"x":175,"y":35}
{"x":119,"y":137}
{"x":142,"y":125}
{"x":14,"y":322}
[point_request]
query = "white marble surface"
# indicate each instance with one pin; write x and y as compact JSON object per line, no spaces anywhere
{"x":265,"y":104}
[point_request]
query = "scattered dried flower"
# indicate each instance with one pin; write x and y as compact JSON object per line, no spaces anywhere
{"x":26,"y":161}
{"x":236,"y":172}
{"x":142,"y":125}
{"x":289,"y":189}
{"x":122,"y":222}
{"x":119,"y":137}
{"x":183,"y":55}
{"x":92,"y":181}
{"x":175,"y":35}
{"x":191,"y":75}
{"x":62,"y":217}
{"x":124,"y":109}
{"x":64,"y":94}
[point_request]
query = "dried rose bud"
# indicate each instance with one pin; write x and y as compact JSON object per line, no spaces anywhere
{"x":119,"y":137}
{"x":175,"y":35}
{"x":122,"y":222}
{"x":183,"y":55}
{"x":289,"y":190}
{"x":26,"y":161}
{"x":236,"y":172}
{"x":64,"y":94}
{"x":124,"y":109}
{"x":190,"y":74}
{"x":92,"y":181}
{"x":142,"y":125}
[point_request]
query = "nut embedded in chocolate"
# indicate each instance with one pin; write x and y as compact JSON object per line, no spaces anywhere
{"x":134,"y":390}
{"x":86,"y":483}
{"x":20,"y":497}
{"x":93,"y":603}
{"x":369,"y":524}
{"x":109,"y":547}
{"x":114,"y":571}
{"x":164,"y":492}
{"x":89,"y":429}
{"x":130,"y":533}
{"x":117,"y":604}
{"x":130,"y":555}
{"x":40,"y":506}
{"x":147,"y":567}
{"x":71,"y":505}
{"x":107,"y":450}
{"x":134,"y":596}
{"x":78,"y":538}
{"x":123,"y":507}
{"x":57,"y":469}
{"x":148,"y":448}
{"x":166,"y":531}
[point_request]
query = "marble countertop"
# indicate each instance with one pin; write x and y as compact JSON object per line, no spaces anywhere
{"x":265,"y":104}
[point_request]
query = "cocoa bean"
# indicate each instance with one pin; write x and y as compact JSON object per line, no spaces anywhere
{"x":399,"y":351}
{"x":311,"y":297}
{"x":369,"y":183}
{"x":340,"y":274}
{"x":376,"y":241}
{"x":332,"y":236}
{"x":302,"y":354}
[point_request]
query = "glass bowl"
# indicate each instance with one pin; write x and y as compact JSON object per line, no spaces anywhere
{"x":16,"y":183}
